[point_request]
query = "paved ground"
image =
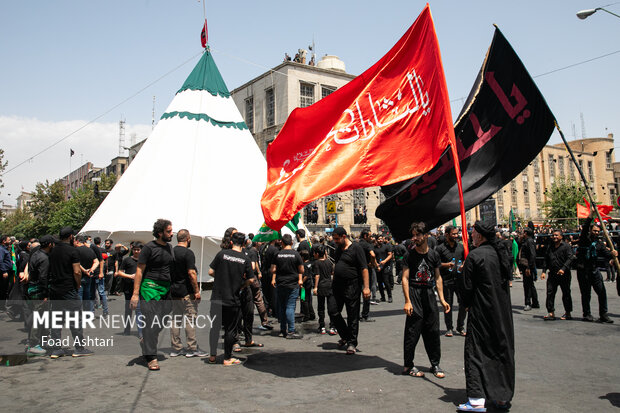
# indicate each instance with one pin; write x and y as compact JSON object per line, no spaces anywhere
{"x":562,"y":366}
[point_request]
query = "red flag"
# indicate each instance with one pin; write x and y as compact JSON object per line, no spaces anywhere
{"x":584,"y":212}
{"x":389,"y":124}
{"x":204,"y":35}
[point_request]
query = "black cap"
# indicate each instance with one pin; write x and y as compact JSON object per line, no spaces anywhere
{"x":46,"y":240}
{"x":340,"y":231}
{"x":486,"y":229}
{"x":65,"y":232}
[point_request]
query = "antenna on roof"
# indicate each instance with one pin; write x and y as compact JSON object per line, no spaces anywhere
{"x":153,"y":119}
{"x":583,"y":126}
{"x":121,"y":136}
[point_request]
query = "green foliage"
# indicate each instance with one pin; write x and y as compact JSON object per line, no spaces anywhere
{"x":562,"y":199}
{"x":3,"y":165}
{"x":49,"y":211}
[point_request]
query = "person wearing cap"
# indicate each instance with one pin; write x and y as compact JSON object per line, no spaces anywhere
{"x":489,"y":344}
{"x":65,"y":280}
{"x":527,"y":266}
{"x":420,"y":275}
{"x":350,"y":274}
{"x":37,"y":293}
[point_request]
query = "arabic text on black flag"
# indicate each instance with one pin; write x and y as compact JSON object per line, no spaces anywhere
{"x":504,"y":124}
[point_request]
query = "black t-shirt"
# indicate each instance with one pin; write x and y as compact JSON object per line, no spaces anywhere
{"x":448,"y":254}
{"x":367,"y":247}
{"x":308,"y":274}
{"x":62,"y":258}
{"x":252,"y":254}
{"x":422,"y":268}
{"x":350,"y":263}
{"x":324,"y":269}
{"x":159,"y":261}
{"x":98,"y":255}
{"x":128,"y":266}
{"x":231,"y":268}
{"x":269,"y":255}
{"x":287,"y":263}
{"x":87,"y":257}
{"x":382,"y":252}
{"x":184,"y":260}
{"x":303,"y":245}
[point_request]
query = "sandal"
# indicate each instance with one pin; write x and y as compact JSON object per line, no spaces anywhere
{"x":438,"y":372}
{"x":549,"y":317}
{"x":566,"y":317}
{"x":236,"y":347}
{"x":414,"y":372}
{"x":232,"y":362}
{"x":211,"y":360}
{"x":342,"y":342}
{"x":153,"y":365}
{"x":467,"y":407}
{"x":254,"y":344}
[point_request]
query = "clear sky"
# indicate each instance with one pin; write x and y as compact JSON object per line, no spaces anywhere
{"x":65,"y":63}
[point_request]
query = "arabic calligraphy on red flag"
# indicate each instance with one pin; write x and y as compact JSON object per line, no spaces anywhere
{"x":389,"y":124}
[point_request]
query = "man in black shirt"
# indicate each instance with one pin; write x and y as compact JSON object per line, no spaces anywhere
{"x":350,"y":273}
{"x":419,"y":277}
{"x":304,"y":244}
{"x":88,"y":264}
{"x":588,"y":274}
{"x":372,"y":277}
{"x":558,"y":259}
{"x":384,"y":257}
{"x":65,"y":280}
{"x":152,"y":288}
{"x":527,"y":254}
{"x":268,"y":253}
{"x":232,"y":271}
{"x":287,"y":271}
{"x":127,"y":272}
{"x":37,"y":293}
{"x":185,"y":297}
{"x":451,"y":254}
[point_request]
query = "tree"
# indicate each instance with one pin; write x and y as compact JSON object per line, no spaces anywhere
{"x":562,"y":199}
{"x":46,"y":200}
{"x":3,"y":165}
{"x":19,"y":224}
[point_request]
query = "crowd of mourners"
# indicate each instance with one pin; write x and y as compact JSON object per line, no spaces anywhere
{"x":74,"y":272}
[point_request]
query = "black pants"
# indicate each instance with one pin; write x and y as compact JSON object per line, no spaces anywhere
{"x":383,"y":280}
{"x":153,"y":312}
{"x":34,"y":335}
{"x":611,"y":272}
{"x":426,"y":325}
{"x":563,"y":281}
{"x":322,"y":300}
{"x":365,"y":308}
{"x":450,"y":289}
{"x":306,"y":306}
{"x":346,"y":294}
{"x":268,"y":294}
{"x":529,"y":291}
{"x":68,"y":301}
{"x":4,"y":289}
{"x":227,"y":317}
{"x":592,"y":280}
{"x":399,"y":270}
{"x":246,"y":315}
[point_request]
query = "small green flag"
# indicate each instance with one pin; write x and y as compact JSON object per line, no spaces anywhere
{"x":293,"y":223}
{"x":454,"y":222}
{"x":266,"y":234}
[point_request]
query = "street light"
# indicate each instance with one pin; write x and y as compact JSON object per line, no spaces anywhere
{"x":583,"y":14}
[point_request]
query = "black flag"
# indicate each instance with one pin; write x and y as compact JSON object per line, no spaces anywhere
{"x":503,"y":125}
{"x":71,"y":153}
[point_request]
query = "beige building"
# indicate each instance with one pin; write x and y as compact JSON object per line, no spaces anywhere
{"x":528,"y":191}
{"x":266,"y":102}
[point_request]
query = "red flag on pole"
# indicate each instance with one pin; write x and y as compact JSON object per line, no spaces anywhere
{"x":584,"y":212}
{"x":389,"y":124}
{"x":204,"y":35}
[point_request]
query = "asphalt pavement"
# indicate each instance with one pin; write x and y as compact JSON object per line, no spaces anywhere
{"x":561,"y":366}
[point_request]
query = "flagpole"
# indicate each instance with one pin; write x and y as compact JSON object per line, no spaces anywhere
{"x":590,"y":197}
{"x":457,"y":171}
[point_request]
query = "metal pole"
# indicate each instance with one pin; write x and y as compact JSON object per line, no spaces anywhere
{"x":590,"y":197}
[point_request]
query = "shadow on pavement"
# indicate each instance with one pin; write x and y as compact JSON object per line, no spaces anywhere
{"x":454,"y":396}
{"x":614,"y":398}
{"x":386,"y":313}
{"x":309,"y":363}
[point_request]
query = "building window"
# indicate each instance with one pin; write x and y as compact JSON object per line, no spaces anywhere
{"x":122,"y":169}
{"x":551,"y":166}
{"x":537,"y":192}
{"x":608,"y":161}
{"x":513,"y":193}
{"x":249,"y":113}
{"x":536,"y":166}
{"x":306,"y":94}
{"x":571,"y":169}
{"x":311,"y":213}
{"x":561,"y":166}
{"x":590,"y":173}
{"x":270,"y":107}
{"x":327,"y":90}
{"x":359,"y":206}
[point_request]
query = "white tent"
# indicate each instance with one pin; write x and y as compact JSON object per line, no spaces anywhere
{"x":200,"y":168}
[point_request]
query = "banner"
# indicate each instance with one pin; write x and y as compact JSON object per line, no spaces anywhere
{"x":504,"y":124}
{"x":389,"y":124}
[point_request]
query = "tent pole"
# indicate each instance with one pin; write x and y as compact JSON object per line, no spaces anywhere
{"x":202,"y":254}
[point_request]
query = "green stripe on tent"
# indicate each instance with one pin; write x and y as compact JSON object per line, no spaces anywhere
{"x":206,"y":76}
{"x":202,"y":116}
